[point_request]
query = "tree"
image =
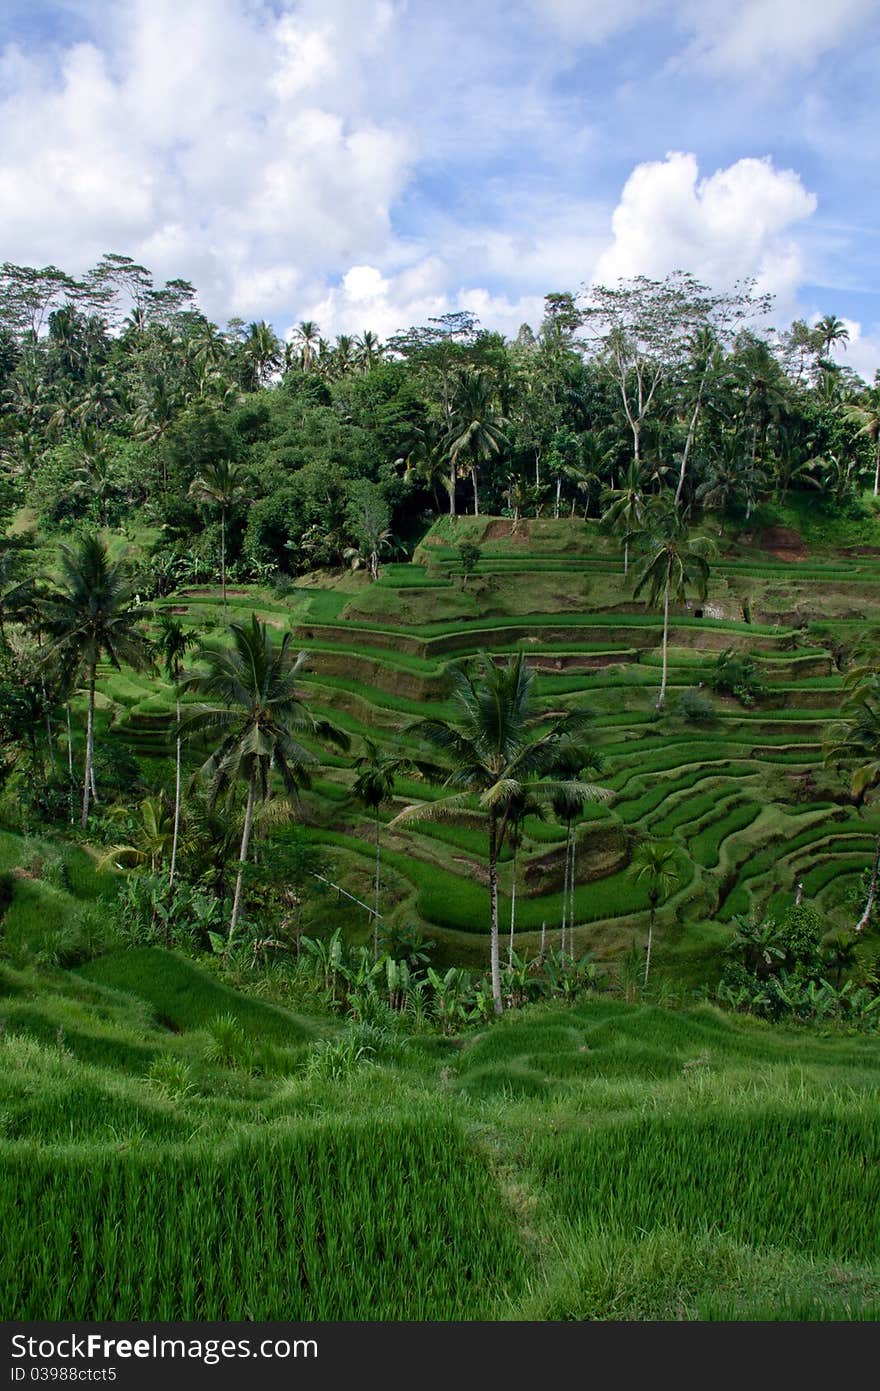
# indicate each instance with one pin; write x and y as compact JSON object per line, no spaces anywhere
{"x":174,"y":642}
{"x":674,"y":562}
{"x":475,"y":430}
{"x":625,"y":508}
{"x":644,"y":330}
{"x":260,"y":719}
{"x":374,"y":786}
{"x":656,"y":861}
{"x":830,"y":330}
{"x":865,"y":415}
{"x":369,"y":518}
{"x":469,"y":556}
{"x":498,"y":747}
{"x":91,"y":618}
{"x":221,"y":485}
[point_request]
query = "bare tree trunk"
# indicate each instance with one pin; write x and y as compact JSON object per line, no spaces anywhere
{"x":176,"y":801}
{"x":688,"y":446}
{"x":543,"y":939}
{"x":374,"y":565}
{"x":376,"y":903}
{"x":877,"y":470}
{"x":70,"y":762}
{"x":223,"y":554}
{"x":245,"y":841}
{"x":452,"y":482}
{"x":90,"y":730}
{"x":661,"y":699}
{"x":650,"y":942}
{"x":512,"y":911}
{"x":493,"y":902}
{"x":872,"y":891}
{"x":558,"y":497}
{"x":476,"y":494}
{"x":625,"y":558}
{"x":571,"y":895}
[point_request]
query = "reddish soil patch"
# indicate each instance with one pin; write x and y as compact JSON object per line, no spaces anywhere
{"x":504,"y":529}
{"x":783,"y":542}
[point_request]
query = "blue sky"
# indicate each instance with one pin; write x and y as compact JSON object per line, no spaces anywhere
{"x":368,"y":163}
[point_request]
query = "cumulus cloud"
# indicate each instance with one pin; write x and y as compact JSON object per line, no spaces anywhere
{"x":365,"y":298}
{"x":595,"y":22}
{"x":216,"y":138}
{"x":732,"y":225}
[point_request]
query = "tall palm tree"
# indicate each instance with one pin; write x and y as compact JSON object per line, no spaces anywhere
{"x":475,"y":429}
{"x":259,"y":719}
{"x":830,"y":330}
{"x":625,"y":507}
{"x":374,"y":786}
{"x":306,"y":337}
{"x":498,"y":747}
{"x":865,"y":415}
{"x":674,"y":562}
{"x":91,"y":617}
{"x":221,"y":485}
{"x":174,"y":642}
{"x":656,"y":861}
{"x":263,"y":352}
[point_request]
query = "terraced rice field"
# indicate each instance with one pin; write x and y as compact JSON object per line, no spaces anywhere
{"x":746,"y":798}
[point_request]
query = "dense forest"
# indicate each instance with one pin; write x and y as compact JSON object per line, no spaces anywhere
{"x":120,"y":402}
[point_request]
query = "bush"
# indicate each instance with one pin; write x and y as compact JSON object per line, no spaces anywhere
{"x":737,"y":675}
{"x":696,"y":709}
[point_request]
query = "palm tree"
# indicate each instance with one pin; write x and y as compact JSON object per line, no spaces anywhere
{"x":498,"y":747}
{"x":174,"y":641}
{"x":865,"y":414}
{"x":221,"y":485}
{"x":306,"y":337}
{"x":830,"y":330}
{"x":374,"y":785}
{"x":90,"y":618}
{"x":259,"y":717}
{"x":263,"y":352}
{"x":475,"y":430}
{"x":567,"y":808}
{"x":656,"y":861}
{"x":675,"y":562}
{"x":625,"y":507}
{"x":153,"y":836}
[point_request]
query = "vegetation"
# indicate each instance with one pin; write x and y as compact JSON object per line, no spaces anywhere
{"x":415,"y":690}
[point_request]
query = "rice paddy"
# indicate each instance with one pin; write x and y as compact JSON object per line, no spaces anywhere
{"x":173,"y":1146}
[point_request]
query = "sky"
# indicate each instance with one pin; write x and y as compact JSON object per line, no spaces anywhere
{"x":374,"y":163}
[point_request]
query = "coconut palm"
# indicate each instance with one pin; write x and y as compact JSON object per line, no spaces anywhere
{"x":90,"y":618}
{"x":221,"y":485}
{"x":260,"y":718}
{"x":374,"y":786}
{"x":830,"y":330}
{"x":674,"y":562}
{"x":625,"y":507}
{"x":865,"y":415}
{"x":498,"y":747}
{"x":151,"y":840}
{"x":656,"y":861}
{"x":174,"y":642}
{"x":475,"y":430}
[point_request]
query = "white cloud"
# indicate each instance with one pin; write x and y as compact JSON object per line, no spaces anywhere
{"x":595,"y":21}
{"x":387,"y":304}
{"x":203,"y":137}
{"x":730,"y":226}
{"x":758,"y":36}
